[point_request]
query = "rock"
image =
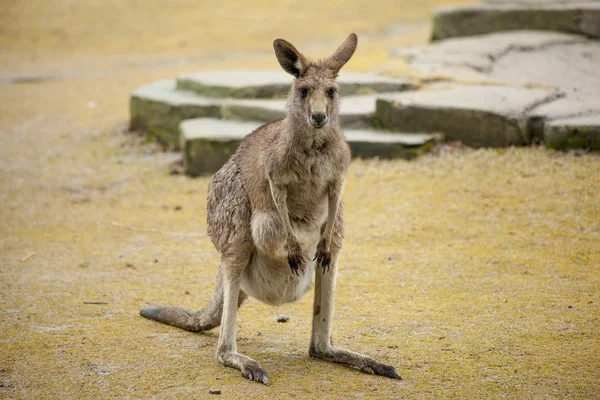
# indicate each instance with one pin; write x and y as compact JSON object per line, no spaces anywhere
{"x":572,"y":67}
{"x":368,"y":143}
{"x":581,"y":17}
{"x":208,"y":143}
{"x":283,"y":318}
{"x":576,"y":132}
{"x":250,"y":84}
{"x":477,"y":115}
{"x":475,"y":57}
{"x":526,"y":59}
{"x":563,"y":108}
{"x":158,"y":108}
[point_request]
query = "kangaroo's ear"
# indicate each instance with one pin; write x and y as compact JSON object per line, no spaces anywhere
{"x":343,"y":53}
{"x":290,"y":59}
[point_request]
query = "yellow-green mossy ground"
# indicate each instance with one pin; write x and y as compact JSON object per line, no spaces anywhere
{"x":474,"y":272}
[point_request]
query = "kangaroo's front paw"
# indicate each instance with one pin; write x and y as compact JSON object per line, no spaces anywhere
{"x":323,"y":256}
{"x":323,"y":260}
{"x":295,"y":257}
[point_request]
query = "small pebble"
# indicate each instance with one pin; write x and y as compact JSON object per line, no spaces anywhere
{"x":214,"y":391}
{"x":283,"y":318}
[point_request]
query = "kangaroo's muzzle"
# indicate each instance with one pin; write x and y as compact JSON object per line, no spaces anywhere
{"x":318,"y":119}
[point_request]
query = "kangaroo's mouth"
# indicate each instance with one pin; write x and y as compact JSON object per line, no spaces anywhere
{"x":318,"y":124}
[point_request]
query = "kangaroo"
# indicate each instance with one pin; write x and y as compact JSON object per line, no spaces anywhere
{"x":276,"y":217}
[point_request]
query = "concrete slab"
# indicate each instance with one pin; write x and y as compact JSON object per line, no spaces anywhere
{"x":581,"y":17}
{"x":478,"y":115}
{"x":576,"y":132}
{"x":480,"y":53}
{"x":572,"y":67}
{"x":158,"y":108}
{"x":254,"y":84}
{"x":523,"y":59}
{"x":208,"y":143}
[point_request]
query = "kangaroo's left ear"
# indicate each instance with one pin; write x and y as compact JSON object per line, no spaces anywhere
{"x":290,"y":59}
{"x":343,"y":53}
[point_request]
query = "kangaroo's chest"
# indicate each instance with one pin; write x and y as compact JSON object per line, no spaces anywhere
{"x":309,"y":181}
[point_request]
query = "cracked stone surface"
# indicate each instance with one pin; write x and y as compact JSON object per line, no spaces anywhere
{"x":581,"y":17}
{"x":573,"y":68}
{"x":474,"y":57}
{"x":253,"y":84}
{"x":207,"y":143}
{"x":477,"y":115}
{"x":519,"y":59}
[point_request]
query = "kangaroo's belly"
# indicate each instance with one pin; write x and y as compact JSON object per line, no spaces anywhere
{"x":269,"y":278}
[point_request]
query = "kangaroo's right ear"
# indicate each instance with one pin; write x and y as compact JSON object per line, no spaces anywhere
{"x":290,"y":59}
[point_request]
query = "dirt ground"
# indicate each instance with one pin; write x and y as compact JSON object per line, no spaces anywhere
{"x":474,"y":272}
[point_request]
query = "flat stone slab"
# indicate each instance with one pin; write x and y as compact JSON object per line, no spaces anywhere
{"x":207,"y":143}
{"x":580,"y":17}
{"x":524,"y":59}
{"x":256,"y":84}
{"x":477,"y":115}
{"x":576,"y":132}
{"x":159,"y":107}
{"x":474,"y":58}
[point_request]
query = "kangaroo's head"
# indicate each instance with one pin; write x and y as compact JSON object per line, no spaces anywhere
{"x":314,"y":94}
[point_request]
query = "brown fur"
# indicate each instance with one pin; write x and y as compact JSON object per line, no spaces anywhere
{"x":276,"y":217}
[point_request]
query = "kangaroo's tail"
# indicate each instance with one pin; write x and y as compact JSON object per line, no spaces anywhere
{"x":195,"y":321}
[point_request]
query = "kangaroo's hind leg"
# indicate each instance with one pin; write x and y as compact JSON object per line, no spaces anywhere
{"x":227,"y":353}
{"x":321,"y":344}
{"x":229,"y":227}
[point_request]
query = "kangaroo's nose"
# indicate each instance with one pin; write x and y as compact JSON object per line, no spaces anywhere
{"x":319,"y":117}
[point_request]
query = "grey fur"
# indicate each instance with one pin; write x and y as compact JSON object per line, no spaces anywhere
{"x":275,"y":216}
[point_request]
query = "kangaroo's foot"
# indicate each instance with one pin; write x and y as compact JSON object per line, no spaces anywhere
{"x":250,"y":368}
{"x":360,"y":361}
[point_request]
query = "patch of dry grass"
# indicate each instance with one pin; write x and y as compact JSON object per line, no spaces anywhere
{"x":475,"y":272}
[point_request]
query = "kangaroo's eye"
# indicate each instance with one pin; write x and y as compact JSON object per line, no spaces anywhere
{"x":331,"y":93}
{"x":303,"y":92}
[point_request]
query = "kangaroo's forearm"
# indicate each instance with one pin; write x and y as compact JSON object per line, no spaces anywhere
{"x":334,"y":200}
{"x":279,"y":195}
